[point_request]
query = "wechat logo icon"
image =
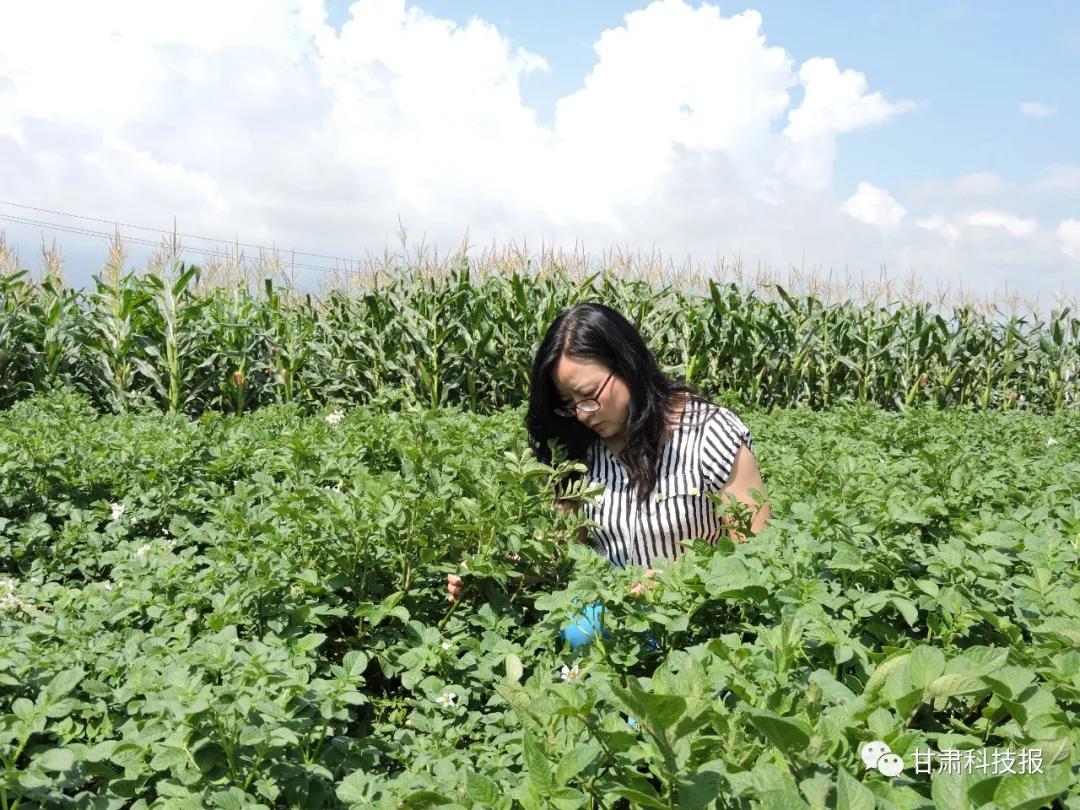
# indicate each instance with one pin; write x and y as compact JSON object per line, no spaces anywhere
{"x":876,"y":754}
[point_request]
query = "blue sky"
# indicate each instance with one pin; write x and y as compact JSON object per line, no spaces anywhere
{"x":932,"y":139}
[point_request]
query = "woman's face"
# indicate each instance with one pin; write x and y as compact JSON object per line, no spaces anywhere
{"x":576,"y":380}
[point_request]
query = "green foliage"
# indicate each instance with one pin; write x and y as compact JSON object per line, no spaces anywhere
{"x":450,"y":340}
{"x":250,"y":611}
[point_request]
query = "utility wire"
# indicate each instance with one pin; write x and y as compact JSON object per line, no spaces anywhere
{"x":167,"y":232}
{"x":138,"y":241}
{"x":150,"y":243}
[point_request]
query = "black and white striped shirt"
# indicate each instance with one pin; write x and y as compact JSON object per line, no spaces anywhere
{"x":697,"y":459}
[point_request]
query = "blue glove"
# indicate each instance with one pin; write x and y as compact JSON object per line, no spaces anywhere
{"x":588,"y":626}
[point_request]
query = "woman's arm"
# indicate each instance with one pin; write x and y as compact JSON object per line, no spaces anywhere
{"x":745,"y":478}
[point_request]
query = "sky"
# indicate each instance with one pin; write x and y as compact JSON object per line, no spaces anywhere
{"x":936,"y":139}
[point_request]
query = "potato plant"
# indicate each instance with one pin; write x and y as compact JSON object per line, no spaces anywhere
{"x":249,"y":610}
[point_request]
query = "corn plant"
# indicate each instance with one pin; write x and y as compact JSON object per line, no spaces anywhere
{"x":16,"y":338}
{"x":457,"y":340}
{"x":172,"y":341}
{"x":114,"y":314}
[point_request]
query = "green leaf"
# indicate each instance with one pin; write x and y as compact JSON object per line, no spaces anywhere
{"x":699,"y":790}
{"x":64,"y":682}
{"x":783,"y":798}
{"x":423,"y":798}
{"x":1030,"y":791}
{"x":925,"y":665}
{"x":537,"y":764}
{"x":55,"y":759}
{"x":977,"y":661}
{"x":233,"y":798}
{"x":519,"y":700}
{"x":1010,"y":682}
{"x":788,"y":734}
{"x":950,"y":790}
{"x":354,"y":663}
{"x":640,"y":793}
{"x":660,"y":712}
{"x":23,"y":709}
{"x":575,"y":761}
{"x":832,"y":689}
{"x":952,"y":685}
{"x":816,"y":790}
{"x":876,"y":680}
{"x":481,"y":790}
{"x":174,"y":790}
{"x":168,"y":757}
{"x":566,"y":798}
{"x":353,"y":788}
{"x":852,"y":794}
{"x":1061,"y":629}
{"x":906,"y":608}
{"x":101,"y":751}
{"x":310,"y":642}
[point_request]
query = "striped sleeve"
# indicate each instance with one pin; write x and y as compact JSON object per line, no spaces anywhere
{"x":723,"y":435}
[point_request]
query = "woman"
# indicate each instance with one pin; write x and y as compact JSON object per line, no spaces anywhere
{"x":655,"y":444}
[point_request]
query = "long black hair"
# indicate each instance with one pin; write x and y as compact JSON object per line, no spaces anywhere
{"x":593,"y":332}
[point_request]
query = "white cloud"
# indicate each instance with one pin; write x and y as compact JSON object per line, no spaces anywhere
{"x":975,"y":224}
{"x":835,"y":102}
{"x":978,"y":183}
{"x":1037,"y":109}
{"x":874,"y":206}
{"x":999,"y":220}
{"x":1068,"y":234}
{"x":284,"y":123}
{"x":1060,"y":177}
{"x":939,"y":225}
{"x":258,"y":119}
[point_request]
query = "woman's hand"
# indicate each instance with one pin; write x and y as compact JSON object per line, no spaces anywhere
{"x":454,"y":586}
{"x":638,"y":588}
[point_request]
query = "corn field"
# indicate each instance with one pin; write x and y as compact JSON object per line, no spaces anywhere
{"x":170,"y":340}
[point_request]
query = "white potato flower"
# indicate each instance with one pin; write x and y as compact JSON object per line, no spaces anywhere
{"x":335,"y":417}
{"x":446,"y":698}
{"x":9,"y":601}
{"x":570,"y":674}
{"x":142,"y":550}
{"x":1051,"y":442}
{"x":117,"y":511}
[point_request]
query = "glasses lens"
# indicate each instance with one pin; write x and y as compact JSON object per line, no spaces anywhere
{"x":563,"y":412}
{"x":588,"y":406}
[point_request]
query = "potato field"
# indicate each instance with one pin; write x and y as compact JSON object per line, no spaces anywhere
{"x":227,"y":518}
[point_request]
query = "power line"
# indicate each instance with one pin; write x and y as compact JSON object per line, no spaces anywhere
{"x":134,"y":239}
{"x":146,"y":242}
{"x":169,"y":232}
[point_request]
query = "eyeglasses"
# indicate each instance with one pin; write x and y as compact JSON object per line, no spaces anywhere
{"x":590,"y":405}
